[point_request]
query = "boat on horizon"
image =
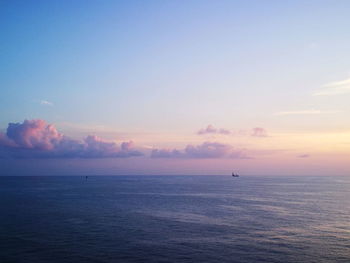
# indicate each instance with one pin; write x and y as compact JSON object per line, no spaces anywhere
{"x":234,"y":175}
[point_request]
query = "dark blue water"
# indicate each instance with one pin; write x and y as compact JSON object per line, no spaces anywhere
{"x":174,"y":219}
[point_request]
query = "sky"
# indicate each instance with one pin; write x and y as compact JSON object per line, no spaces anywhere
{"x":174,"y":87}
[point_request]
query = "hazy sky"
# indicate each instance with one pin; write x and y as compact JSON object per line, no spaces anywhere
{"x":199,"y":87}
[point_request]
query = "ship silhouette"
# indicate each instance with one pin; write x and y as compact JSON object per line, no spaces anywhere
{"x":234,"y":175}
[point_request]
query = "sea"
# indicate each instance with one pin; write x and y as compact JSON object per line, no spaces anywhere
{"x":174,"y":219}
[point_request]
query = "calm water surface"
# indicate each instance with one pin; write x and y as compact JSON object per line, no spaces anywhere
{"x":174,"y":219}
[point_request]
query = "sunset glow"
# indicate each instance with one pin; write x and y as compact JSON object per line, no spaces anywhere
{"x":255,"y":88}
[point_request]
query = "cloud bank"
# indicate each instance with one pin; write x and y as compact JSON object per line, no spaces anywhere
{"x":202,"y":151}
{"x":37,"y":139}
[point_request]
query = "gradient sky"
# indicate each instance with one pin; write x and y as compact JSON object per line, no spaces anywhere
{"x":159,"y":72}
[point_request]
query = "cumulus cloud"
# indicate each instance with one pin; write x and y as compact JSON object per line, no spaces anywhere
{"x":37,"y":139}
{"x":33,"y":134}
{"x":202,"y":151}
{"x":259,"y":132}
{"x":210,"y":129}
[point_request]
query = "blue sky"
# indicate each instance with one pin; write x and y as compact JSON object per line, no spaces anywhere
{"x":167,"y":67}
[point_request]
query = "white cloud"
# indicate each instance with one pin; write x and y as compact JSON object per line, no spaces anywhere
{"x":46,"y":103}
{"x":334,"y":88}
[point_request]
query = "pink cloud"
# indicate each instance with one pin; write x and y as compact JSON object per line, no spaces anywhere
{"x":125,"y":146}
{"x":166,"y":153}
{"x":303,"y":156}
{"x":37,"y":139}
{"x":204,"y":150}
{"x":210,"y":129}
{"x":33,"y":134}
{"x":259,"y":132}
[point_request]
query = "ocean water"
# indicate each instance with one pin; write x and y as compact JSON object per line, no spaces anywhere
{"x":174,"y":219}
